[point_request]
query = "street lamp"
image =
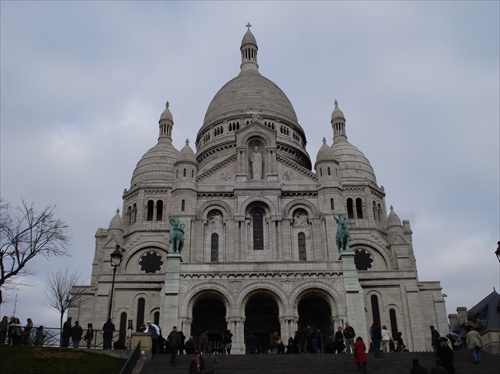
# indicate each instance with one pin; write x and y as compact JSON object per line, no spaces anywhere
{"x":497,"y":252}
{"x":116,"y":259}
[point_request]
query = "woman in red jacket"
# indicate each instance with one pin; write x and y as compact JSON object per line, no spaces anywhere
{"x":360,"y":354}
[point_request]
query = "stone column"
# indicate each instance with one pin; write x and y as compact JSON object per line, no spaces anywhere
{"x":169,"y":308}
{"x":354,"y":296}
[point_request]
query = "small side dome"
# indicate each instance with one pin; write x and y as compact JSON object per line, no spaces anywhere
{"x":248,"y":38}
{"x":354,"y":165}
{"x":393,"y":219}
{"x":325,"y":153}
{"x":167,"y":115}
{"x":186,"y":154}
{"x":116,"y":222}
{"x":337,"y":114}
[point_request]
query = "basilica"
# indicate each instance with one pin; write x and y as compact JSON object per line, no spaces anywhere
{"x":241,"y":232}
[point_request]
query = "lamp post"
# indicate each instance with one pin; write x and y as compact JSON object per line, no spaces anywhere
{"x":116,"y":259}
{"x":497,"y":252}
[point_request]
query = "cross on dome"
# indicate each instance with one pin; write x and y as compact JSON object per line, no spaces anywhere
{"x":248,"y":25}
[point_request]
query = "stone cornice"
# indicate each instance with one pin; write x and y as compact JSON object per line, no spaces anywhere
{"x":260,"y":275}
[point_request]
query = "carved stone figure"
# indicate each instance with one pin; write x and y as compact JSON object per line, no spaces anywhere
{"x":256,"y":160}
{"x":343,"y":237}
{"x":176,"y":238}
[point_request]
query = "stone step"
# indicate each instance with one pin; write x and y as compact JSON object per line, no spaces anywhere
{"x":323,"y":363}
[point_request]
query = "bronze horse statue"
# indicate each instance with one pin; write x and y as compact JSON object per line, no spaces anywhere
{"x":176,"y":238}
{"x":343,"y":237}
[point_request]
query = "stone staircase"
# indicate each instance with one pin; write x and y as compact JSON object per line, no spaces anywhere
{"x":389,"y":363}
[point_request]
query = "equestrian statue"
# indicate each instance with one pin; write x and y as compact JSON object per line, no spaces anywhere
{"x":343,"y":237}
{"x":176,"y":238}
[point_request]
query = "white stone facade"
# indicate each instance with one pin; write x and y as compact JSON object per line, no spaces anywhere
{"x":259,"y":236}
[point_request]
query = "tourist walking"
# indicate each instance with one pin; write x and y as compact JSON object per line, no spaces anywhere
{"x":339,"y":340}
{"x":209,"y":360}
{"x":76,"y":334}
{"x":386,"y":338}
{"x":89,"y":335}
{"x":27,"y":332}
{"x":377,"y":338}
{"x":4,"y":328}
{"x":155,"y":332}
{"x":174,"y":342}
{"x":301,"y":337}
{"x":196,"y":366}
{"x":228,"y":340}
{"x":66,"y":333}
{"x":434,"y":338}
{"x":445,"y":354}
{"x":39,"y":336}
{"x":360,"y":357}
{"x":349,"y":335}
{"x":475,"y":343}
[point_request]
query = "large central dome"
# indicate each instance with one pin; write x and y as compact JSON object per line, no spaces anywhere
{"x":248,"y":92}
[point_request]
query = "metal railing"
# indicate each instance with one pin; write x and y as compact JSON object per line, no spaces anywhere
{"x":52,"y":338}
{"x":132,"y":360}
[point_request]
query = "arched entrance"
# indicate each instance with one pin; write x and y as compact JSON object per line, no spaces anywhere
{"x":315,"y":311}
{"x":209,"y":314}
{"x":262,"y":313}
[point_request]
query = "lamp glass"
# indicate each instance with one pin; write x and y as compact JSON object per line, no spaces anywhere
{"x":116,"y":257}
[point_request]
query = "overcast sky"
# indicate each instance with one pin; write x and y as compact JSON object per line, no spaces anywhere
{"x":83,"y":85}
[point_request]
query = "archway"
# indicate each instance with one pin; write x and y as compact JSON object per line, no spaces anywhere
{"x":262,"y":313}
{"x":315,"y":311}
{"x":209,"y":314}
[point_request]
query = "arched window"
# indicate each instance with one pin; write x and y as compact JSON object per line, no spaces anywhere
{"x":320,"y":172}
{"x":183,"y":205}
{"x":301,"y":238}
{"x":375,"y":212}
{"x":329,"y":171}
{"x":379,"y":213}
{"x":359,"y":208}
{"x":123,"y":325}
{"x":184,"y":173}
{"x":375,"y":310}
{"x":159,"y":210}
{"x":141,"y":304}
{"x":129,"y":215}
{"x":332,"y":205}
{"x":258,"y":229}
{"x":214,"y":248}
{"x":134,"y":213}
{"x":151,"y":206}
{"x":394,"y":323}
{"x":350,"y":209}
{"x":156,"y":318}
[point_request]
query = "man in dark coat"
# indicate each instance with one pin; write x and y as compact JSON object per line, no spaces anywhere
{"x":434,"y":338}
{"x":174,"y":342}
{"x":107,"y":334}
{"x":252,"y":343}
{"x":66,"y":333}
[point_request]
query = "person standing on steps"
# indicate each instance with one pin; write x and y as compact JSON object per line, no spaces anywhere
{"x":174,"y":342}
{"x":360,"y":357}
{"x":474,"y":343}
{"x":417,"y":369}
{"x":349,"y":335}
{"x":434,"y":338}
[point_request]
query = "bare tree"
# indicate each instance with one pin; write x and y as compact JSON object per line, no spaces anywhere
{"x":61,"y":292}
{"x":26,"y":233}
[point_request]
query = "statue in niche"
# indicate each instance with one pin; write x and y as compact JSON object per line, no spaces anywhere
{"x":216,"y":220}
{"x":256,"y":159}
{"x":300,"y":219}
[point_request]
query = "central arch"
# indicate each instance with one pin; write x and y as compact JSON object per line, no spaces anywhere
{"x":209,"y":314}
{"x":262,"y":314}
{"x":315,"y":311}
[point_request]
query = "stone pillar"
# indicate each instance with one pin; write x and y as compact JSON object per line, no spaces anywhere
{"x":354,"y":295}
{"x":238,"y":329}
{"x":169,"y":308}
